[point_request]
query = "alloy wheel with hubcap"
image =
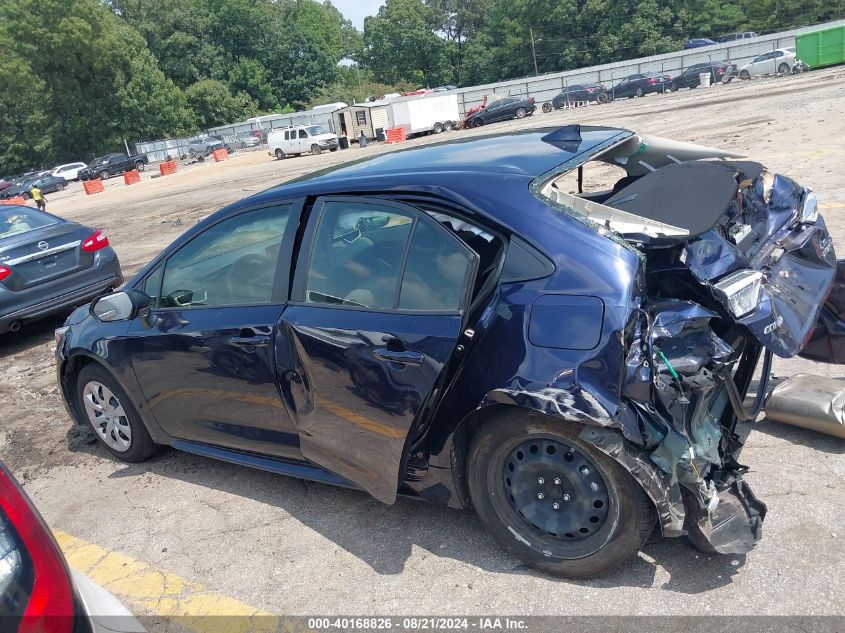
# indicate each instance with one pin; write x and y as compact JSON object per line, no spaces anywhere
{"x":107,"y":416}
{"x":521,"y":113}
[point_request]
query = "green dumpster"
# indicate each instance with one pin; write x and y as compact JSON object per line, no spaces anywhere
{"x":821,"y":48}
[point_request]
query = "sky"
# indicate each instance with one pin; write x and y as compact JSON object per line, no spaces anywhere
{"x":356,"y":10}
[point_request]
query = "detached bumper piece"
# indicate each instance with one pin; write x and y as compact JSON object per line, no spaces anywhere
{"x":810,"y":402}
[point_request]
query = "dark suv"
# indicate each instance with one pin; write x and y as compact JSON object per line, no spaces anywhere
{"x":112,"y":165}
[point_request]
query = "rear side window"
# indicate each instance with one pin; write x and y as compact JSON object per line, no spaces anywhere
{"x":357,"y":255}
{"x":231,"y":263}
{"x":436,"y":273}
{"x":387,"y":258}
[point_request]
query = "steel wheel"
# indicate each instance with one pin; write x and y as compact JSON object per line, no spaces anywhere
{"x":639,"y":92}
{"x":552,"y":499}
{"x":140,"y":165}
{"x":107,"y":416}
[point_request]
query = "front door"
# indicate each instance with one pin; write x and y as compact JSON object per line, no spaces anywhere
{"x":205,"y":357}
{"x":379,"y":298}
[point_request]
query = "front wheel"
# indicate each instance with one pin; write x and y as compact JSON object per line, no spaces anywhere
{"x":448,"y":126}
{"x":437,"y":128}
{"x":547,"y":107}
{"x":639,"y":92}
{"x":60,"y":186}
{"x":279,"y":153}
{"x":521,"y":113}
{"x":783,"y":69}
{"x":25,"y":195}
{"x":552,"y":500}
{"x":745,"y":75}
{"x":139,"y":165}
{"x":104,"y":174}
{"x":477,"y":123}
{"x":111,"y":414}
{"x":315,"y":150}
{"x":602,"y":97}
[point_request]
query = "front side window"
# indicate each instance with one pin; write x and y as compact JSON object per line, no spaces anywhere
{"x":232,"y":263}
{"x":303,"y":134}
{"x":357,"y":255}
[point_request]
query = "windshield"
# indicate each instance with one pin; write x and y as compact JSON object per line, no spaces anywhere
{"x":15,"y":220}
{"x":98,"y":160}
{"x":314,"y":130}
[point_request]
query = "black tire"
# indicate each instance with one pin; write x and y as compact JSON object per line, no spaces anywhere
{"x":104,"y":174}
{"x":60,"y":186}
{"x":547,"y":107}
{"x":783,"y":69}
{"x":448,"y":126}
{"x":279,"y":153}
{"x":315,"y":150}
{"x":521,"y":113}
{"x":141,"y":445}
{"x":602,"y":98}
{"x":437,"y":128}
{"x":477,"y":123}
{"x":334,"y":149}
{"x":745,"y":75}
{"x":601,"y":533}
{"x":139,"y":165}
{"x":673,"y":88}
{"x":639,"y":92}
{"x":25,"y":195}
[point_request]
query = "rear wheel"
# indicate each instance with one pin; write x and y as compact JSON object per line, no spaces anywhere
{"x":437,"y":128}
{"x":279,"y":153}
{"x":139,"y":165}
{"x":521,"y":113}
{"x":477,"y":123}
{"x":552,"y":500}
{"x":315,"y":150}
{"x":448,"y":126}
{"x":110,"y":413}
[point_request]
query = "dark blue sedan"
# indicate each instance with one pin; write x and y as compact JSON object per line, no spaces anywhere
{"x":467,"y":323}
{"x":699,"y":42}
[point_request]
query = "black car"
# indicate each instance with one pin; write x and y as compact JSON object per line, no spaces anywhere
{"x":113,"y":164}
{"x":47,"y":184}
{"x":581,"y":92}
{"x":719,"y":71}
{"x":448,"y":323}
{"x":502,"y":110}
{"x":48,"y":264}
{"x":639,"y":85}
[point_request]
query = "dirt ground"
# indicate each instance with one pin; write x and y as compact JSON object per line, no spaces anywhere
{"x":283,"y":546}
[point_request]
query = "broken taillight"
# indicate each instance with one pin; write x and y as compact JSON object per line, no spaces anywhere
{"x":651,"y":80}
{"x":5,"y":271}
{"x":530,"y":99}
{"x":95,"y":242}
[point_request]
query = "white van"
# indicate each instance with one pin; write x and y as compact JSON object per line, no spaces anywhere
{"x":301,"y":139}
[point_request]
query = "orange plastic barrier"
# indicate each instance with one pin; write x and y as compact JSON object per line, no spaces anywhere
{"x":92,"y":186}
{"x":167,"y":167}
{"x":15,"y":200}
{"x":220,"y":154}
{"x":395,"y":135}
{"x":131,"y":177}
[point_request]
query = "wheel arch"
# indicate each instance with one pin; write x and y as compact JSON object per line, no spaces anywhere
{"x":69,"y":372}
{"x":664,"y":494}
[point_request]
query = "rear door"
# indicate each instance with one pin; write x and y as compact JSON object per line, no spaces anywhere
{"x":377,"y":307}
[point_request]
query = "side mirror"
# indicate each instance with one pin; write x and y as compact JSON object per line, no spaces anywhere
{"x":121,"y":306}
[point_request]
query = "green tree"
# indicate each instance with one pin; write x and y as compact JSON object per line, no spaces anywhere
{"x":400,"y":45}
{"x":213,"y":104}
{"x":250,"y":77}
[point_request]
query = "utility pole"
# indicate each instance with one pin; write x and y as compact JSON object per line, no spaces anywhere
{"x":534,"y":52}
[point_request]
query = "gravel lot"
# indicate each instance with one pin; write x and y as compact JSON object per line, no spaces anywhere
{"x":288,"y":547}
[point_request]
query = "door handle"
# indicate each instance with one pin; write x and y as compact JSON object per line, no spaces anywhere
{"x":405,"y":357}
{"x":255,"y":340}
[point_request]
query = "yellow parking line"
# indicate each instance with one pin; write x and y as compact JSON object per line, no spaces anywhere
{"x":159,"y":593}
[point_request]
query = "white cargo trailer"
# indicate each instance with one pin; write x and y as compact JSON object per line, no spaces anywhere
{"x":436,"y":112}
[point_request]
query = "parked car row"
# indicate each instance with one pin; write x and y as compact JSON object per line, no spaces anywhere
{"x":698,"y":42}
{"x":104,"y":167}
